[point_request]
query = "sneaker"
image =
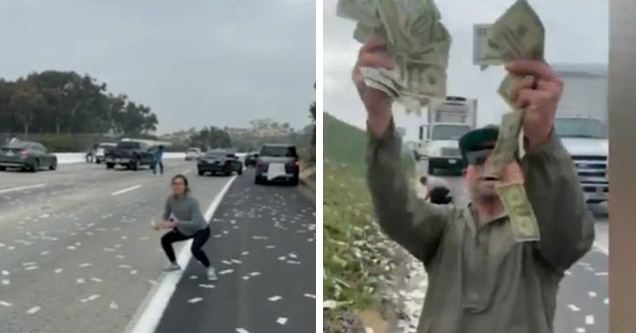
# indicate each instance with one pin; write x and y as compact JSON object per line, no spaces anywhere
{"x":171,"y":267}
{"x":211,"y":274}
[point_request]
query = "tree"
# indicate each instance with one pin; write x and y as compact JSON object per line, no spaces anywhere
{"x":25,"y":102}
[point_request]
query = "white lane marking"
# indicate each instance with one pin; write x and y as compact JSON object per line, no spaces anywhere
{"x":592,"y":294}
{"x":606,"y":301}
{"x":274,"y":298}
{"x":281,"y":320}
{"x":574,"y":308}
{"x":580,"y":330}
{"x":22,"y":188}
{"x":132,"y":188}
{"x":589,"y":320}
{"x":156,"y":303}
{"x":186,"y":172}
{"x":601,"y":274}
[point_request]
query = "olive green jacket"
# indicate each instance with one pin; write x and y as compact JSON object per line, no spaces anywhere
{"x":481,"y":280}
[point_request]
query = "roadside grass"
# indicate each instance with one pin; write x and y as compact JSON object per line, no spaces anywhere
{"x":356,"y":255}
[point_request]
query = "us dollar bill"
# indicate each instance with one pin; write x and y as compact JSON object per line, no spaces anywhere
{"x":517,"y":34}
{"x":418,"y":44}
{"x":522,"y":219}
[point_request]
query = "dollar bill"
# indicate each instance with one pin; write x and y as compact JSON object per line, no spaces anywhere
{"x":517,"y":34}
{"x":418,"y":43}
{"x":522,"y":219}
{"x":363,"y":11}
{"x":486,"y":51}
{"x":506,"y":146}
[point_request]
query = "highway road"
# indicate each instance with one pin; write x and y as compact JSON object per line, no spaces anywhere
{"x":77,"y":253}
{"x":583,"y":304}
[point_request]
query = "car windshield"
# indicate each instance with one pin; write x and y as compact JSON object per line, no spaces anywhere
{"x":216,"y":154}
{"x":278,"y":151}
{"x":128,"y":145}
{"x":449,"y":132}
{"x":580,"y":128}
{"x":16,"y":145}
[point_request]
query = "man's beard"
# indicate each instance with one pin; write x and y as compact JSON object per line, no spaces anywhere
{"x":485,"y":195}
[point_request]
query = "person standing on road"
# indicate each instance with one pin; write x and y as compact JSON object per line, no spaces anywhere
{"x":158,"y":156}
{"x":482,"y":279}
{"x":188,"y":223}
{"x":438,"y":191}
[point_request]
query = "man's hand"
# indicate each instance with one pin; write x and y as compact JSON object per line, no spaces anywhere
{"x":540,"y":103}
{"x":373,"y":54}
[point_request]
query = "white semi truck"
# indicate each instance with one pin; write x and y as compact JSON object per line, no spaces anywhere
{"x":447,"y":120}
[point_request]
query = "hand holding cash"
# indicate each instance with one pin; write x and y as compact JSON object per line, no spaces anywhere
{"x":540,"y":101}
{"x":417,"y":44}
{"x":376,"y":101}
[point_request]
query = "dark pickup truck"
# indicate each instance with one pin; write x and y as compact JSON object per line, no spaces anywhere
{"x":130,"y":154}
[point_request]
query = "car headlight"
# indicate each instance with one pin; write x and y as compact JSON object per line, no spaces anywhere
{"x":435,"y":152}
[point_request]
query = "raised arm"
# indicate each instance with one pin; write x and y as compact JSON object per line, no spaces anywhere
{"x":566,"y":226}
{"x":412,"y":222}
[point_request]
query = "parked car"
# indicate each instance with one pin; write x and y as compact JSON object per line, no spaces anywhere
{"x":193,"y":154}
{"x":130,"y":154}
{"x":250,"y":158}
{"x":219,"y":161}
{"x":277,"y":163}
{"x":102,"y":148}
{"x":26,"y":155}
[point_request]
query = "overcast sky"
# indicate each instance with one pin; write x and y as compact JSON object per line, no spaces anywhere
{"x":194,"y":63}
{"x":576,"y":32}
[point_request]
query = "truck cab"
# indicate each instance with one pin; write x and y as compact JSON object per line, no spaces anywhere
{"x":447,"y":120}
{"x":586,"y":141}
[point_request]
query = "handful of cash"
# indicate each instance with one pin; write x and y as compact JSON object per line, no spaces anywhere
{"x":517,"y":34}
{"x":418,"y":44}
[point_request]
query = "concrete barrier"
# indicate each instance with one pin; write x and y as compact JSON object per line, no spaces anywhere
{"x":70,"y":158}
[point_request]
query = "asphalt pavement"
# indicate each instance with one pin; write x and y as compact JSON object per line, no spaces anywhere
{"x":582,"y":305}
{"x":77,"y":253}
{"x":263,"y":247}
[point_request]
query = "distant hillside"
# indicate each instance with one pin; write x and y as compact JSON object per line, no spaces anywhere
{"x":344,"y":146}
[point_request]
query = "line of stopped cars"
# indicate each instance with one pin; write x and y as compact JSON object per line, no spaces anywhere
{"x":274,"y":163}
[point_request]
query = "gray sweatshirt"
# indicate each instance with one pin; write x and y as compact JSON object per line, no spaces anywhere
{"x":187,"y":214}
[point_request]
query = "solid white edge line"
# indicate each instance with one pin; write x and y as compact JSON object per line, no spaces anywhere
{"x":22,"y":188}
{"x":126,"y":190}
{"x":156,"y":301}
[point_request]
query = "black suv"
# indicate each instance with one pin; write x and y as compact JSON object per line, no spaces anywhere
{"x":277,"y":163}
{"x":219,"y":161}
{"x":130,"y":154}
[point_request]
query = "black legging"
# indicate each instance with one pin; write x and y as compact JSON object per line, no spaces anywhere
{"x":200,"y":237}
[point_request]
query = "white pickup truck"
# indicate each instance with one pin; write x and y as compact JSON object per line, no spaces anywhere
{"x":586,"y":141}
{"x":448,"y":119}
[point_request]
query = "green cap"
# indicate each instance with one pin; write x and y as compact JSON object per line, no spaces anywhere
{"x":478,"y":138}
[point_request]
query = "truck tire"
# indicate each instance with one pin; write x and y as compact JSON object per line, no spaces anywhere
{"x":110,"y":166}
